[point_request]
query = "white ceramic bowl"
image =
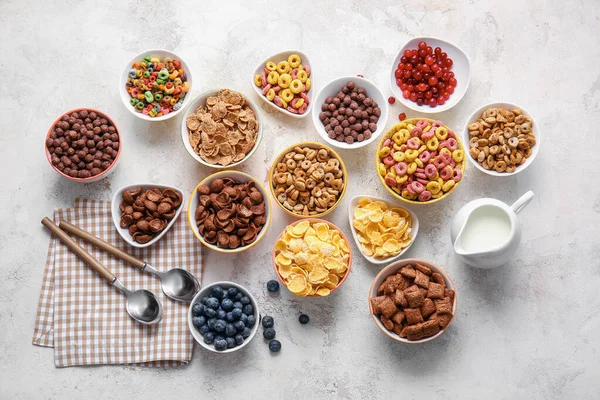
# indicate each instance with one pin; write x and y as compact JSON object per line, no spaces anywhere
{"x":116,"y":212}
{"x":335,"y":86}
{"x":282,"y":57}
{"x":240,"y":177}
{"x":475,"y":116}
{"x":461,"y":69}
{"x":191,"y":109}
{"x":390,"y":270}
{"x":205,"y":291}
{"x":161,"y":53}
{"x":413,"y":233}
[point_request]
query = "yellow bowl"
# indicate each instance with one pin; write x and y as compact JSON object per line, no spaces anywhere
{"x":388,"y":134}
{"x":312,"y":145}
{"x":238,"y":176}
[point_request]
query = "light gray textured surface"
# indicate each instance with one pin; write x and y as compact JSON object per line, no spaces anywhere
{"x":527,"y":330}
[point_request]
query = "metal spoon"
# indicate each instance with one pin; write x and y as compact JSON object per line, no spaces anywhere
{"x":177,"y":283}
{"x":141,"y":304}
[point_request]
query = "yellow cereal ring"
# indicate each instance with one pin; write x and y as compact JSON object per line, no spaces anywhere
{"x":398,"y":156}
{"x":441,"y":133}
{"x":302,"y":75}
{"x":296,"y":86}
{"x":458,"y":155}
{"x":307,"y":83}
{"x":412,"y":167}
{"x":405,"y":135}
{"x":294,"y":60}
{"x":298,"y":103}
{"x":395,"y":189}
{"x":422,"y":149}
{"x":384,"y":152}
{"x":419,"y":162}
{"x":427,"y":129}
{"x":396,"y":146}
{"x":432,"y":144}
{"x":445,"y":150}
{"x":410,"y":155}
{"x":270,"y":94}
{"x":410,"y":127}
{"x":439,"y":180}
{"x":397,"y":138}
{"x":284,"y":81}
{"x":433,"y":187}
{"x":283,"y":67}
{"x":399,"y":125}
{"x":448,"y":185}
{"x":401,"y":179}
{"x":382,"y":169}
{"x":271,"y":66}
{"x":437,"y":195}
{"x":258,"y":80}
{"x":286,"y":95}
{"x":405,"y":194}
{"x":273,"y":77}
{"x":284,"y":103}
{"x":391,"y":173}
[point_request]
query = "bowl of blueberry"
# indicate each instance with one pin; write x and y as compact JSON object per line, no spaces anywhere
{"x":223,"y":317}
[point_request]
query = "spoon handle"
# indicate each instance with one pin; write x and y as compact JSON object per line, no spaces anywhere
{"x":80,"y":251}
{"x":96,"y":241}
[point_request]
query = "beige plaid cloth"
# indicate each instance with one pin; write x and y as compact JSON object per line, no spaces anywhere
{"x":84,"y":318}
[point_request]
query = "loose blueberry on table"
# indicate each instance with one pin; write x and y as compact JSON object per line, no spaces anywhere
{"x":303,"y":319}
{"x":268,"y":321}
{"x":269,"y":333}
{"x":273,"y":286}
{"x":274,"y":346}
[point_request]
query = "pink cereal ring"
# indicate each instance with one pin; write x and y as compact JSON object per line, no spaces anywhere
{"x":403,"y":147}
{"x":425,"y":195}
{"x":266,"y":71}
{"x":452,"y":144}
{"x":392,"y":151}
{"x":266,"y":89}
{"x":425,"y":156}
{"x":164,"y":110}
{"x":416,"y":132}
{"x":430,"y":170}
{"x":410,"y":179}
{"x":446,"y":157}
{"x":135,"y":92}
{"x":277,"y":100}
{"x":307,"y":69}
{"x":452,"y":163}
{"x":412,"y":144}
{"x":387,"y":142}
{"x":292,"y":110}
{"x":410,"y":189}
{"x":434,"y":153}
{"x":263,"y":79}
{"x":428,"y":135}
{"x":457,"y":174}
{"x":389,"y":160}
{"x":451,"y":134}
{"x":390,"y":181}
{"x":277,"y":88}
{"x":294,"y":73}
{"x":438,"y":162}
{"x":423,"y":182}
{"x":443,"y":144}
{"x":305,"y":97}
{"x":417,"y":187}
{"x":302,"y":108}
{"x":422,"y":124}
{"x":422,"y":170}
{"x":420,"y":175}
{"x":446,"y":173}
{"x":145,"y":111}
{"x":401,"y":168}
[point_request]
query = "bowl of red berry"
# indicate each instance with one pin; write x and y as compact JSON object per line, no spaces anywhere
{"x":430,"y":75}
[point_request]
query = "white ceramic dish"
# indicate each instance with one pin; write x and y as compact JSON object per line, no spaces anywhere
{"x":473,"y":118}
{"x":380,"y":261}
{"x":282,"y":57}
{"x":191,"y":109}
{"x":390,"y":270}
{"x":461,"y":69}
{"x":116,"y":212}
{"x":205,"y":291}
{"x":161,"y":53}
{"x":240,"y":177}
{"x":331,"y":89}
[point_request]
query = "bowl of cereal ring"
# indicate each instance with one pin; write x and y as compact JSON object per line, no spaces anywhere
{"x":221,"y":128}
{"x":350,"y":112}
{"x":83,"y":145}
{"x":308,"y":180}
{"x":503,"y":139}
{"x":229,"y":211}
{"x":155,"y":85}
{"x":420,"y":161}
{"x":284,"y":82}
{"x":312,"y":257}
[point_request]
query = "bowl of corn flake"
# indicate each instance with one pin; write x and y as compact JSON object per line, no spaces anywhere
{"x":221,"y":128}
{"x":383,"y":231}
{"x":312,"y":257}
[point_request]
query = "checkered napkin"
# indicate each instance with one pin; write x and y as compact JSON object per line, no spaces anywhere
{"x":84,"y":318}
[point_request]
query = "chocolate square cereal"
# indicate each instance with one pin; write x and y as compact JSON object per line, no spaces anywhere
{"x":436,"y":291}
{"x":430,"y":328}
{"x":442,"y":319}
{"x":427,"y":308}
{"x":391,"y":283}
{"x":398,"y":330}
{"x":449,"y":293}
{"x":421,"y":279}
{"x":414,"y":296}
{"x":404,"y":283}
{"x":376,"y":304}
{"x":387,"y":307}
{"x":408,"y":272}
{"x":423,"y":291}
{"x":443,"y":305}
{"x":400,"y":299}
{"x":438,"y":278}
{"x":398,"y":317}
{"x":413,"y":316}
{"x":380,"y":289}
{"x":413,"y":332}
{"x":424,"y":269}
{"x":389,"y":325}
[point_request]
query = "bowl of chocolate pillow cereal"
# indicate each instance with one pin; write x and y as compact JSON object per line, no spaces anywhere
{"x":350,"y":112}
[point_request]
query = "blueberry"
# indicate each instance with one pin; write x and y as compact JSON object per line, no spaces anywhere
{"x":238,"y":304}
{"x":227,"y":304}
{"x":198,"y":321}
{"x":209,"y":337}
{"x":203,"y":329}
{"x":245,"y":300}
{"x":220,"y":344}
{"x":230,"y":330}
{"x":213,"y":303}
{"x":238,"y":296}
{"x":274,"y":346}
{"x":237,"y":313}
{"x":210,"y":313}
{"x":303,"y":319}
{"x":220,"y":325}
{"x":198,"y":309}
{"x":269,"y":333}
{"x":217,"y":292}
{"x":229,"y":317}
{"x":230,"y":342}
{"x":232,"y":292}
{"x":221,"y":314}
{"x":204,"y":300}
{"x":219,"y":337}
{"x":211,"y":323}
{"x":248,"y":309}
{"x":239,"y":339}
{"x":273,"y":286}
{"x":268,"y":321}
{"x":239,"y":325}
{"x":251,"y":321}
{"x":246,"y":332}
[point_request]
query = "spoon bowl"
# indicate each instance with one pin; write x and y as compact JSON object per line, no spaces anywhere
{"x":142,"y":305}
{"x":179,"y":285}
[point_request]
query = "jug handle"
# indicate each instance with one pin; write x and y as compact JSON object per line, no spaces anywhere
{"x":522,"y":202}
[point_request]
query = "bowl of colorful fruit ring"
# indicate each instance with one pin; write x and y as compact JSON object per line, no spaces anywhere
{"x":430,"y":75}
{"x":312,"y":257}
{"x":155,"y":85}
{"x":223,"y":317}
{"x":420,"y":161}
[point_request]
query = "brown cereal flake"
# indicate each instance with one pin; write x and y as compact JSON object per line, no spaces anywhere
{"x":436,"y":291}
{"x":427,"y":308}
{"x":443,"y":305}
{"x":421,"y":279}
